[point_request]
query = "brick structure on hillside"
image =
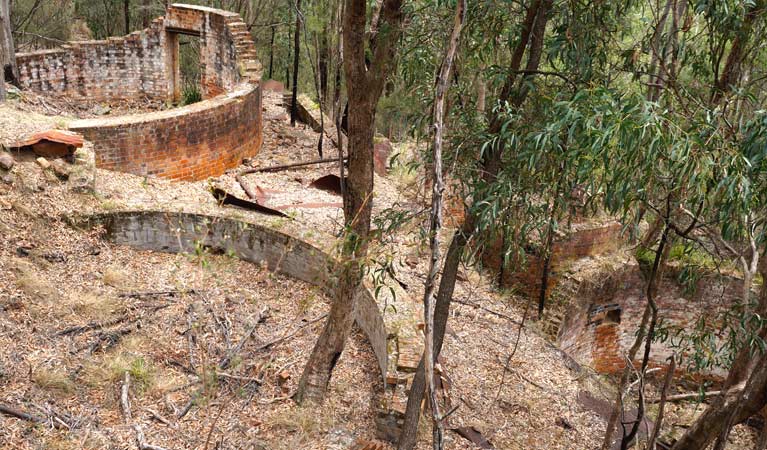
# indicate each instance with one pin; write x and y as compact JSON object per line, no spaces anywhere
{"x":187,"y":143}
{"x":585,"y":239}
{"x":604,"y":315}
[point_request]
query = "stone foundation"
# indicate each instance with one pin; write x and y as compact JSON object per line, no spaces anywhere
{"x":184,"y":232}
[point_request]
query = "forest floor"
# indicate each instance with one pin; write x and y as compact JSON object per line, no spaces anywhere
{"x":174,"y":318}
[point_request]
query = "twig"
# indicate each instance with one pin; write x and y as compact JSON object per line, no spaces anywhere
{"x":238,"y":377}
{"x":191,"y":338}
{"x":696,"y":395}
{"x":142,"y":445}
{"x":295,"y":332}
{"x":228,"y":358}
{"x":124,"y":400}
{"x":156,"y":416}
{"x":170,"y":293}
{"x":91,"y":326}
{"x":8,"y":411}
{"x":495,"y":313}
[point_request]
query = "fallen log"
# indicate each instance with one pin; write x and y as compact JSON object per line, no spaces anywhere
{"x":225,"y":198}
{"x":290,"y":166}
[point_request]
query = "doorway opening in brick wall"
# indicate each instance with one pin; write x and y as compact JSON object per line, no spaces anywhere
{"x":184,"y":66}
{"x":189,"y":62}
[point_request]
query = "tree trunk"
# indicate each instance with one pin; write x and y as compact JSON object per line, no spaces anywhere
{"x":364,"y":89}
{"x":324,"y":68}
{"x":296,"y":52}
{"x":271,"y":53}
{"x":126,"y":14}
{"x":436,"y":219}
{"x":723,"y":410}
{"x":146,"y":13}
{"x":7,"y":50}
{"x":491,"y":164}
{"x":731,"y":72}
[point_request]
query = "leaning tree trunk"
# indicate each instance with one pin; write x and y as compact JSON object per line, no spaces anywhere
{"x":364,"y":89}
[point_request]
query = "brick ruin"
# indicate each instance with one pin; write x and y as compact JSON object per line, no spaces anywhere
{"x":189,"y":143}
{"x":605,"y":313}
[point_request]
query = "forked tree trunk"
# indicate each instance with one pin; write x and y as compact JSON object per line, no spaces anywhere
{"x":364,"y":90}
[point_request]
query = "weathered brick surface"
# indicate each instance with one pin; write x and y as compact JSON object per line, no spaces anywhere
{"x":584,"y":242}
{"x":129,"y":67}
{"x":181,"y":232}
{"x":596,"y":340}
{"x":188,"y":143}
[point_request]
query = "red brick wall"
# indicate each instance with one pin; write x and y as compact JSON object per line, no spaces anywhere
{"x":119,"y":68}
{"x":586,"y":241}
{"x":189,"y":143}
{"x":603,"y":344}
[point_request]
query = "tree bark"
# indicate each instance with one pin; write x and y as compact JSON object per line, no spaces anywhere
{"x":364,"y":89}
{"x":296,"y":53}
{"x":271,"y":52}
{"x":126,"y":14}
{"x":443,"y":80}
{"x":723,"y":412}
{"x":491,"y":164}
{"x":731,"y":72}
{"x":7,"y":50}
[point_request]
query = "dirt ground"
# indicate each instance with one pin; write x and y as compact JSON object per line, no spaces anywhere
{"x":168,"y":322}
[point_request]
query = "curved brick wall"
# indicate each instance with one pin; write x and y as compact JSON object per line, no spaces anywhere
{"x":178,"y":232}
{"x":582,"y":242}
{"x":188,"y":143}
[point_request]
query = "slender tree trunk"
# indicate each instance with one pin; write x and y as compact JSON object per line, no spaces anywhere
{"x":146,"y":13}
{"x":126,"y":13}
{"x":491,"y":164}
{"x":7,"y":49}
{"x":725,"y":411}
{"x":443,"y":80}
{"x":271,"y":52}
{"x":296,"y":53}
{"x":365,"y":87}
{"x":324,"y":67}
{"x":732,"y":67}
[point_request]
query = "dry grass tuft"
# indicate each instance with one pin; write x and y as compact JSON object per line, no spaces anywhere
{"x":304,"y":421}
{"x":93,"y":306}
{"x":116,"y":278}
{"x":53,"y":380}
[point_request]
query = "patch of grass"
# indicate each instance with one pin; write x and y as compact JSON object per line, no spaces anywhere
{"x":116,"y":278}
{"x":305,"y":302}
{"x":94,"y":306}
{"x":305,"y":421}
{"x":112,"y":367}
{"x":53,"y":380}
